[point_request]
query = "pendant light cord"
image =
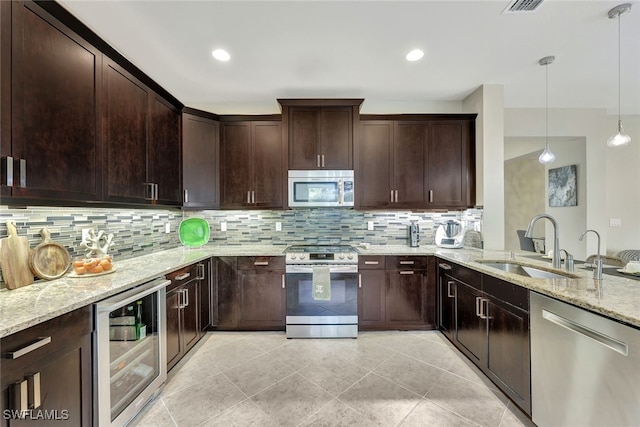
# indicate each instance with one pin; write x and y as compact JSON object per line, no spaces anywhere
{"x":619,"y":67}
{"x":546,"y":102}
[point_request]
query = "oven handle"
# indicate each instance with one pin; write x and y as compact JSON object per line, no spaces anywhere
{"x":134,"y":294}
{"x":332,"y":268}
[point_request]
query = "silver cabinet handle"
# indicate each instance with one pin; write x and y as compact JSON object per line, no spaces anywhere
{"x":156,"y":187}
{"x":201,"y":271}
{"x":253,"y":197}
{"x":407,"y":262}
{"x":19,"y":396}
{"x":443,"y":266}
{"x":42,"y":341}
{"x":478,"y":301}
{"x":340,"y":190}
{"x":261,"y":263}
{"x":33,"y":390}
{"x":396,"y":196}
{"x":9,"y":171}
{"x":407,"y":272}
{"x":318,"y":160}
{"x":249,"y":197}
{"x":579,"y":329}
{"x":323,"y":160}
{"x":283,"y":282}
{"x":449,"y":283}
{"x":371,"y":262}
{"x":430,"y":196}
{"x":183,"y":276}
{"x":359,"y":280}
{"x":185,"y":297}
{"x":186,"y":195}
{"x":180,"y":299}
{"x":150,"y":184}
{"x":391,"y":196}
{"x":479,"y":309}
{"x":23,"y":173}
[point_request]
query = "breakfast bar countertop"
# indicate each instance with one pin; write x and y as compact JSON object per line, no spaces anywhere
{"x":614,"y":297}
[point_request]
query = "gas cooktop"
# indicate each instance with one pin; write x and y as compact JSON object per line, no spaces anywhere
{"x":321,"y":254}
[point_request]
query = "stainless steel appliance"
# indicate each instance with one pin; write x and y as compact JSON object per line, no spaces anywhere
{"x":413,"y":232}
{"x":584,"y":367}
{"x":450,"y":234}
{"x":321,"y":188}
{"x":130,"y":351}
{"x":322,"y":292}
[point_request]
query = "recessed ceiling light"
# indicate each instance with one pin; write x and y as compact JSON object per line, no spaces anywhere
{"x":221,"y":55}
{"x":414,"y":55}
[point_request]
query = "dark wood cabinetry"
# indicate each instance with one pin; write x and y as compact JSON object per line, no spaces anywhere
{"x":488,"y":320}
{"x":183,"y":313}
{"x":252,"y":165}
{"x":207,"y":302}
{"x":225,"y":293}
{"x":414,"y":162}
{"x":320,"y":132}
{"x":164,"y":152}
{"x":261,"y":293}
{"x":50,"y":108}
{"x":61,"y":366}
{"x":395,"y":293}
{"x":200,"y":160}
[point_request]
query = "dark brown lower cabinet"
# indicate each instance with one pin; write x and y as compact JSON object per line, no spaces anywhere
{"x":61,"y":366}
{"x":371,"y":299}
{"x":487,"y":319}
{"x":183,"y":313}
{"x":207,"y":302}
{"x":406,"y":298}
{"x":261,"y":293}
{"x":225,"y":293}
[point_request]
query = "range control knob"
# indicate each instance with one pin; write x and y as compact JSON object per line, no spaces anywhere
{"x":350,"y":256}
{"x":302,"y":256}
{"x":341,"y":256}
{"x":293,"y":256}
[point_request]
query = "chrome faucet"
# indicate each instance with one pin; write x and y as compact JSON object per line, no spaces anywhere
{"x":568,"y":260}
{"x":597,"y":271}
{"x":556,"y":239}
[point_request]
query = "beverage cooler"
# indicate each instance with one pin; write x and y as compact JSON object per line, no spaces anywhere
{"x":130,"y":351}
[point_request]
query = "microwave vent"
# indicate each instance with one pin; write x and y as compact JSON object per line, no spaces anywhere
{"x":517,"y":6}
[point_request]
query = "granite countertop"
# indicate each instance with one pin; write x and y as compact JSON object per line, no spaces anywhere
{"x":615,"y":297}
{"x":44,"y":300}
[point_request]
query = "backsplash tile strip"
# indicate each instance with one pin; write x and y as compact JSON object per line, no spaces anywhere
{"x":139,"y":232}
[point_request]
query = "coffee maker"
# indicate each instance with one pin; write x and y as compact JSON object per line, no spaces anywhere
{"x":413,"y":232}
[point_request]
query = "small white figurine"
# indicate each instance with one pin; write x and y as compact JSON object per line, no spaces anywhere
{"x":98,"y":245}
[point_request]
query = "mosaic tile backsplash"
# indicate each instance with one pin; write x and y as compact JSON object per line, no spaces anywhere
{"x":141,"y":231}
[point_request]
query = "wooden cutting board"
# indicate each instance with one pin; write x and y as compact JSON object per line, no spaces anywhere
{"x":49,"y":260}
{"x":14,"y":258}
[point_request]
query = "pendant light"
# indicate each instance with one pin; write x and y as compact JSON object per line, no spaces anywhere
{"x":547,"y":156}
{"x":619,"y":139}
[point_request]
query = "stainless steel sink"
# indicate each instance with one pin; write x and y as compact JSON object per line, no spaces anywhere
{"x":524,"y":270}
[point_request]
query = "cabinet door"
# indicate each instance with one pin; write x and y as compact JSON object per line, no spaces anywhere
{"x":268,"y":166}
{"x":235,"y":164}
{"x":375,"y":166}
{"x":303,"y":138}
{"x":164,"y":152}
{"x":470,"y":328}
{"x":447,"y":311}
{"x":175,"y":346}
{"x":261,"y":299}
{"x":449,"y":173}
{"x":55,"y":108}
{"x":226,"y":293}
{"x":206,"y":295}
{"x":409,"y":163}
{"x":371,"y":299}
{"x":336,"y":138}
{"x":190,"y":313}
{"x":200,"y":157}
{"x":125,"y":115}
{"x":405,"y":298}
{"x":508,"y":351}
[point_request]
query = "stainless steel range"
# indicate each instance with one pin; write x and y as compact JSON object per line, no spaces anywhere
{"x":322,"y":291}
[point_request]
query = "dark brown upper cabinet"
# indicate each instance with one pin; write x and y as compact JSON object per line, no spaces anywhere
{"x":252,"y":164}
{"x":200,"y":160}
{"x":50,"y":108}
{"x":416,"y":162}
{"x":142,"y":141}
{"x":320,"y":132}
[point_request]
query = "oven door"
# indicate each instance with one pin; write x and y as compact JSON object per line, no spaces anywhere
{"x":340,"y":308}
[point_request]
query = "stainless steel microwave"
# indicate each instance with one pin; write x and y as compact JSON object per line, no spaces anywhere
{"x":320,"y":188}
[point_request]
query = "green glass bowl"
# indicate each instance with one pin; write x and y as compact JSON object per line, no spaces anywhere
{"x":193,"y":232}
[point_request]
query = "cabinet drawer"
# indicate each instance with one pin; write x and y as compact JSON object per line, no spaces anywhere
{"x":261,"y":263}
{"x":182,"y":276}
{"x":505,"y":291}
{"x":471,"y":277}
{"x":371,"y":262}
{"x":406,"y":263}
{"x":29,"y":345}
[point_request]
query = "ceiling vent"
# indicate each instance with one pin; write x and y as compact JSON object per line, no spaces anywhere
{"x":517,"y":6}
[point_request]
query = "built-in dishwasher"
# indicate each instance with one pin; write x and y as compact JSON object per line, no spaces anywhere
{"x":585,"y":368}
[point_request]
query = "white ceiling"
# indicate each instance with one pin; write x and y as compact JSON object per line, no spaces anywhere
{"x":355,"y":49}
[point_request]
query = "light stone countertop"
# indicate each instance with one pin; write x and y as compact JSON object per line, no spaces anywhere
{"x":615,"y":297}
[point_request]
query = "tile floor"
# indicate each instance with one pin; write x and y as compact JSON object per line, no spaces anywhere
{"x":382,"y":378}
